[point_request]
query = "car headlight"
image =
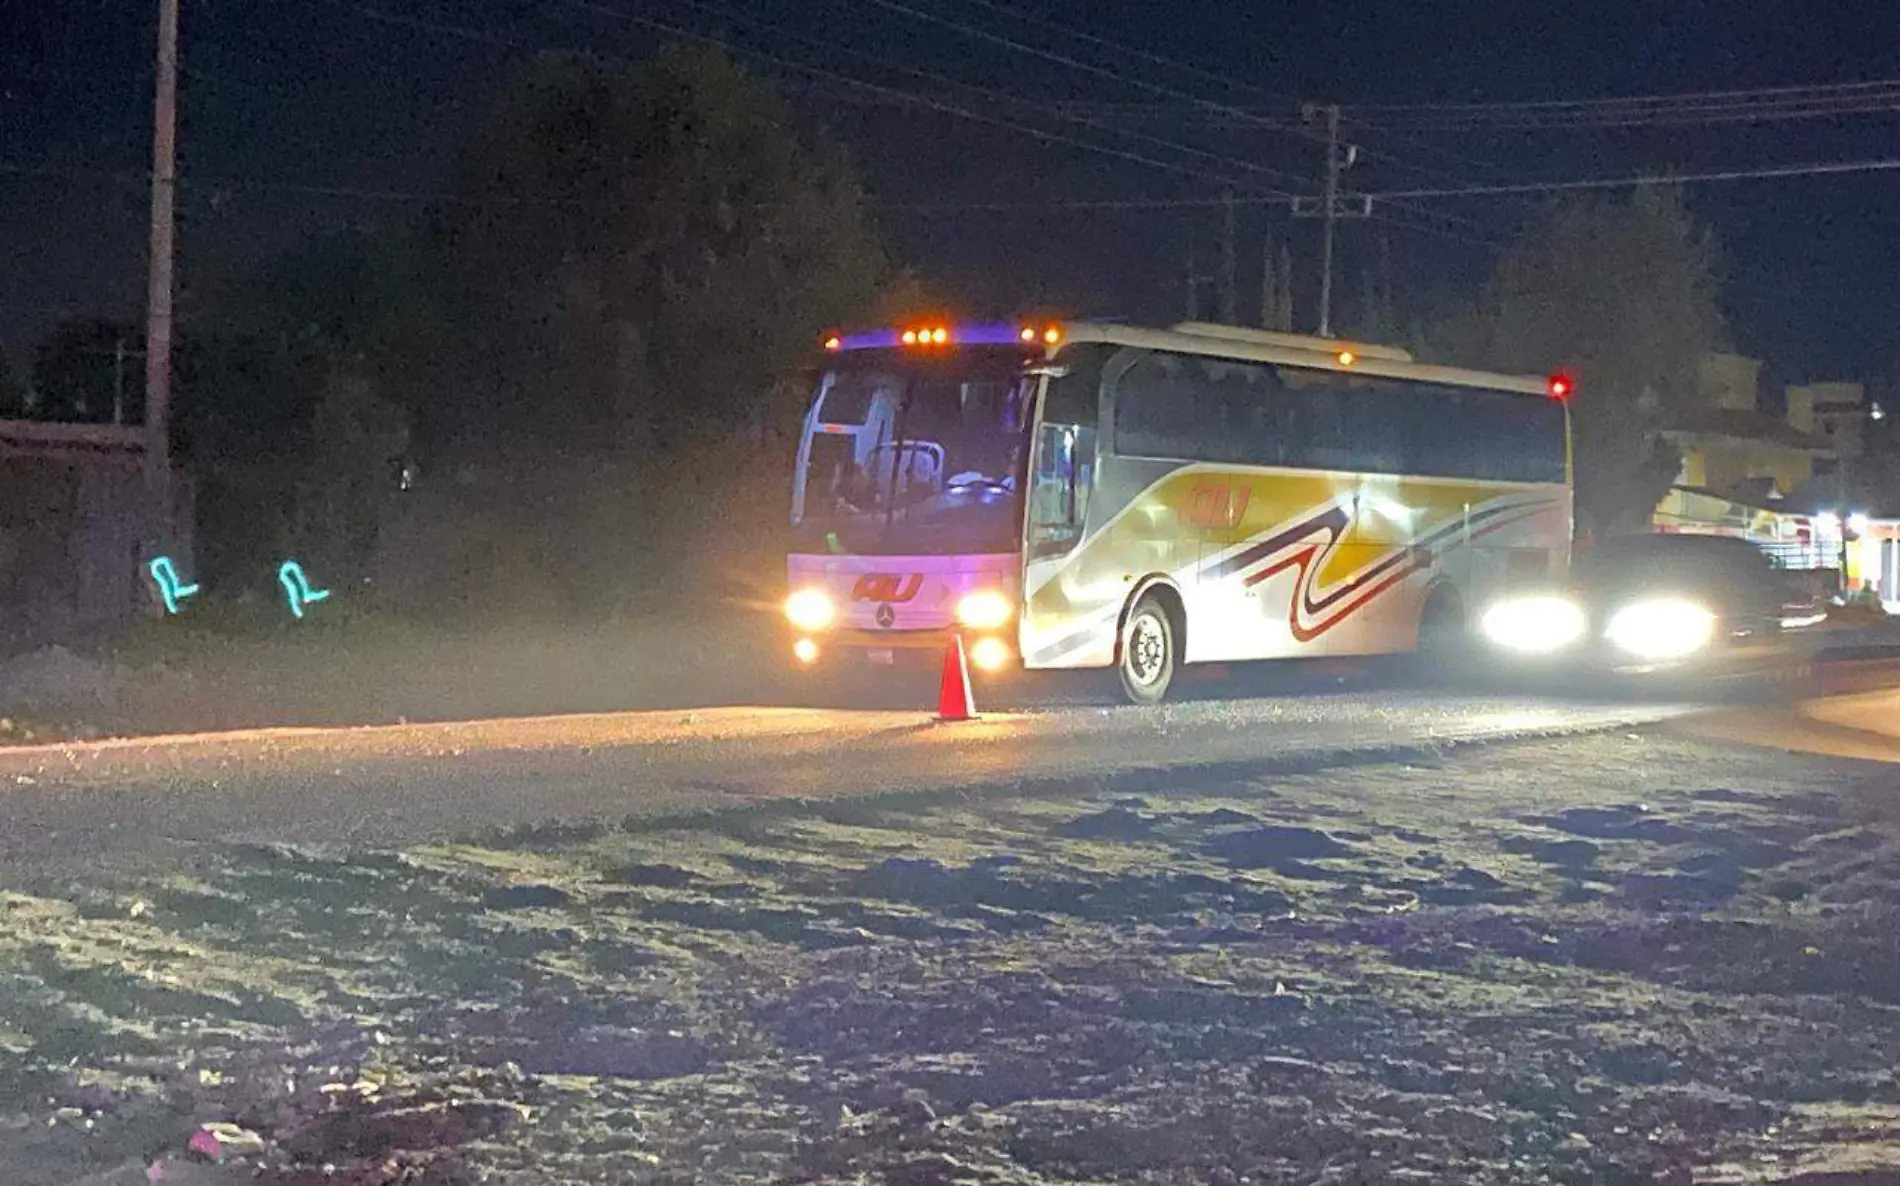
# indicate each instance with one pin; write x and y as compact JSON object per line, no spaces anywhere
{"x":810,"y":609}
{"x":984,"y":610}
{"x":1663,"y":628}
{"x":1534,"y":625}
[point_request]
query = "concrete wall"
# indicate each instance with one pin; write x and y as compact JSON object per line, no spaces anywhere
{"x":1727,"y":466}
{"x":72,"y":518}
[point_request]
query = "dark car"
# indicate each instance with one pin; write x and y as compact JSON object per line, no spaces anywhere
{"x":1648,"y":597}
{"x":1698,"y":605}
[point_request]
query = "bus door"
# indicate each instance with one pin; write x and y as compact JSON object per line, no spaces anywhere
{"x":1226,"y":614}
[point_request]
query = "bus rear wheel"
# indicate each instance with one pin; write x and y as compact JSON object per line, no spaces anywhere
{"x":1444,"y":640}
{"x":1148,"y":651}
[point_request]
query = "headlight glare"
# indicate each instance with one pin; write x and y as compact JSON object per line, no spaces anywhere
{"x":985,"y":609}
{"x":1661,"y":629}
{"x":810,"y":609}
{"x":1534,"y":625}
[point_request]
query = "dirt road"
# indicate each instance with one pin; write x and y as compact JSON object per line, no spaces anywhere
{"x":1628,"y":957}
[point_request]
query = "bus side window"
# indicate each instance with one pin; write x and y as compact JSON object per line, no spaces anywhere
{"x":1058,"y":503}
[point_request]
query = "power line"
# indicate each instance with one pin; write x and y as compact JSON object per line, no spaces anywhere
{"x":1818,"y":169}
{"x":889,"y":94}
{"x":933,"y":104}
{"x":1227,"y":110}
{"x":1756,"y":93}
{"x":99,"y":172}
{"x":1683,"y":117}
{"x":1637,"y":181}
{"x":1024,"y":207}
{"x":456,"y":31}
{"x":991,"y":92}
{"x":1422,"y":144}
{"x":1133,"y":51}
{"x":1584,"y":116}
{"x":1772,"y":172}
{"x":1076,"y":64}
{"x":1476,"y":240}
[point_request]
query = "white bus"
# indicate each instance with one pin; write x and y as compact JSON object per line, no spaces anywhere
{"x":1087,"y":495}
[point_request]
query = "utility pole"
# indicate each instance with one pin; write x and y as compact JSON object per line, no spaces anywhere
{"x":1332,"y":217}
{"x":1330,"y":208}
{"x":1269,"y":287}
{"x":1276,"y":285}
{"x":1193,"y":283}
{"x":118,"y":380}
{"x":158,"y":325}
{"x":1229,"y":266}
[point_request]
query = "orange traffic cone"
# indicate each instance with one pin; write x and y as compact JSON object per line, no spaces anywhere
{"x":954,"y":700}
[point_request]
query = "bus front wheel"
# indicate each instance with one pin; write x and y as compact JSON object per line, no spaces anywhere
{"x":1148,"y":651}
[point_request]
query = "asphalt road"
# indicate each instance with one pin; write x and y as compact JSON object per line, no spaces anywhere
{"x":74,"y":803}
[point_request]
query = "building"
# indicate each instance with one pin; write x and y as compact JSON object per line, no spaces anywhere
{"x":1730,"y":447}
{"x":1873,"y":560}
{"x":1836,"y":412}
{"x":73,"y":512}
{"x":1742,"y":468}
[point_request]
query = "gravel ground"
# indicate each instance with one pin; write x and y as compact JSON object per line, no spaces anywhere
{"x":1619,"y":958}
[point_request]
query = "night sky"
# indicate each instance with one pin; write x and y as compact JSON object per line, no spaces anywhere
{"x":284,"y":95}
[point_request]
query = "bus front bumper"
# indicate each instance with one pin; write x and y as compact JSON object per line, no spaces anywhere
{"x":986,"y":651}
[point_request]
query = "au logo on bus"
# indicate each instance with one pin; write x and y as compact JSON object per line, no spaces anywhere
{"x":887,"y":587}
{"x":1218,"y":507}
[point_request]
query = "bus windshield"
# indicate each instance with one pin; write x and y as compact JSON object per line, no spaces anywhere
{"x":910,"y":455}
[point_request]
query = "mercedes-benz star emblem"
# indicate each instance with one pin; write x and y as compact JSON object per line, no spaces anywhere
{"x":886,"y":615}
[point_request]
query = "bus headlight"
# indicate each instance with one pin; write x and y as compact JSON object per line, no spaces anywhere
{"x":1534,"y":625}
{"x":984,"y":610}
{"x":1659,"y":629}
{"x":810,"y":610}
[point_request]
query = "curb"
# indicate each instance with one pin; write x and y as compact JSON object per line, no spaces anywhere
{"x":1843,"y":677}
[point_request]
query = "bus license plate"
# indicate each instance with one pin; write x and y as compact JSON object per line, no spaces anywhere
{"x":881,"y":658}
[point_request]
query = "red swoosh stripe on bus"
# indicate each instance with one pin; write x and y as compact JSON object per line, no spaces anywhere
{"x":1332,"y":522}
{"x":1309,"y":617}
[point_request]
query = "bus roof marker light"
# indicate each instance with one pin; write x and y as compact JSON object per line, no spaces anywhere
{"x":910,"y":337}
{"x":1052,"y":335}
{"x":940,"y":335}
{"x":1561,"y":387}
{"x":834,"y":343}
{"x":1028,"y":334}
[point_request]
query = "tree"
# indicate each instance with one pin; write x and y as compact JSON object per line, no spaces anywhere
{"x":12,"y":390}
{"x":590,"y":332}
{"x":1276,"y":286}
{"x":906,"y":297}
{"x":357,"y":441}
{"x":1378,"y":302}
{"x":1622,"y":293}
{"x":638,"y":253}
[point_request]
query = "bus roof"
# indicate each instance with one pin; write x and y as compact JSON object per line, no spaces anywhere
{"x":1243,"y":344}
{"x":1209,"y":339}
{"x":1274,"y":337}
